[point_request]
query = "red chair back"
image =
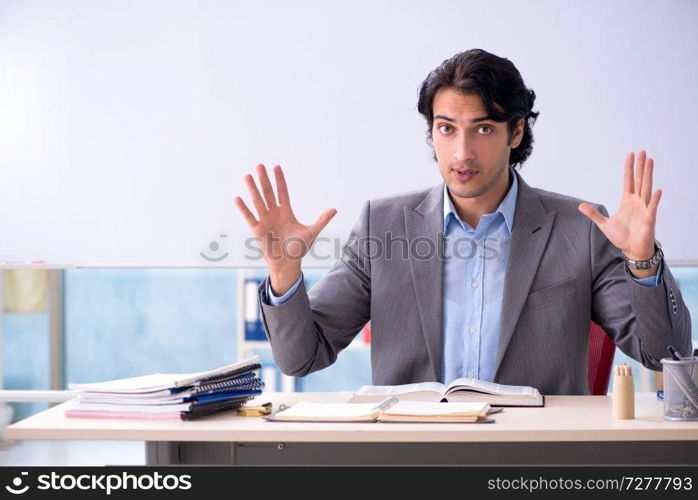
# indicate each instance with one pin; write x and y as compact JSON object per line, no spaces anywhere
{"x":601,"y":351}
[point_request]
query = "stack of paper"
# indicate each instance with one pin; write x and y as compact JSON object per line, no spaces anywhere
{"x":183,"y":396}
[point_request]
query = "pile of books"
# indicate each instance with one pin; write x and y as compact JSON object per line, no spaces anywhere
{"x":164,"y":396}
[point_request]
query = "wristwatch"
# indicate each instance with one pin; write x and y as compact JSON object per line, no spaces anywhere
{"x":649,"y":263}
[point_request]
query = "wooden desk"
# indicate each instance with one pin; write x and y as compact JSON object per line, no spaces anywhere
{"x":569,"y":430}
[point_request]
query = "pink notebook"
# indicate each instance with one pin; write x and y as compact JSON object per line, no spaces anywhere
{"x":173,"y":415}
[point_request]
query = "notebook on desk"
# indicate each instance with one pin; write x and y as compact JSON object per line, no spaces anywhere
{"x":168,"y":383}
{"x":388,"y":410}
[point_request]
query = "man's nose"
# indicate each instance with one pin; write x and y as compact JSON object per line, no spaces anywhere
{"x":464,"y":149}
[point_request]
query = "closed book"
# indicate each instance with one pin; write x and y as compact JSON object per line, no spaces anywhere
{"x":212,"y":409}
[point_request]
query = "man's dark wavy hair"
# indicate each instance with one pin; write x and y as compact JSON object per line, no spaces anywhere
{"x":497,"y":81}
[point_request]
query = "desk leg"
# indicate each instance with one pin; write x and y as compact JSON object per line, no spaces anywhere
{"x":162,"y":453}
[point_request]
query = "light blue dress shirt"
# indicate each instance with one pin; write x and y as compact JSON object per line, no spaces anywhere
{"x":277,"y":301}
{"x":474,"y":269}
{"x":474,"y":272}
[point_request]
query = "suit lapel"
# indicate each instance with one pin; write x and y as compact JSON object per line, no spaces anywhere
{"x":424,"y":223}
{"x":529,"y":236}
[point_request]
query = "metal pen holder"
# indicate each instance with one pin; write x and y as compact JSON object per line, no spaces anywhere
{"x":680,"y":389}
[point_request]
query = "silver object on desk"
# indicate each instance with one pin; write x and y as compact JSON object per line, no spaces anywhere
{"x":680,"y":388}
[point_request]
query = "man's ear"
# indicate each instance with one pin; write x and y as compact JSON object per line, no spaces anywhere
{"x":517,"y":136}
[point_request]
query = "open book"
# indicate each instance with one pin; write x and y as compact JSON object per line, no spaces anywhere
{"x":460,"y":390}
{"x":387,"y":410}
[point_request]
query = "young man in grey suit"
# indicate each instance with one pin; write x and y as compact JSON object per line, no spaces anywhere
{"x":492,"y":278}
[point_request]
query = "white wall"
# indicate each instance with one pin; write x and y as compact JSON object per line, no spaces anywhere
{"x":126,"y":126}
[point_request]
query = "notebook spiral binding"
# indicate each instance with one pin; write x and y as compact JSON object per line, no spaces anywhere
{"x":206,"y":410}
{"x":228,"y":383}
{"x":249,"y":386}
{"x":230,"y":375}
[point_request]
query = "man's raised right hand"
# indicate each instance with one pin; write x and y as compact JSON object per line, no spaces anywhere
{"x":284,"y":240}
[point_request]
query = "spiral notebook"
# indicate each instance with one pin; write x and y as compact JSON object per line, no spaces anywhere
{"x":189,"y":411}
{"x":168,"y":383}
{"x":254,"y":385}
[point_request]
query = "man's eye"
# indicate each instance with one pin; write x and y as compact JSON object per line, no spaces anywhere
{"x":487,"y":129}
{"x":442,"y":126}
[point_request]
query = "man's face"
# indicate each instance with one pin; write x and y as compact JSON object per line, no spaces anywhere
{"x":471,"y":149}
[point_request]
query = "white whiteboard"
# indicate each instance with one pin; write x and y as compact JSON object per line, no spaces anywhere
{"x":126,"y":126}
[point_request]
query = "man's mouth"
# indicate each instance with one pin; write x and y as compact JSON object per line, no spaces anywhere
{"x":464,"y":174}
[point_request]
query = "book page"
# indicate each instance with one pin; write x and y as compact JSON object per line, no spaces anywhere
{"x":143,"y":383}
{"x":89,"y":406}
{"x":394,"y":390}
{"x":435,"y":409}
{"x":491,"y":387}
{"x":329,"y":411}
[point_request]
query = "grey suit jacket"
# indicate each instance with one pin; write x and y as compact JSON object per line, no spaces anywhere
{"x":562,"y":272}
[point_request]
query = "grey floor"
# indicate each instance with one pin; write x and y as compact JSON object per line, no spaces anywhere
{"x":80,"y":453}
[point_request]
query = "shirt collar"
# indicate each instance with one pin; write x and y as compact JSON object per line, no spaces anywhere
{"x":507,"y":207}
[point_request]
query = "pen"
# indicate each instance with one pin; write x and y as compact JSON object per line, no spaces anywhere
{"x":673,"y":353}
{"x":387,"y":403}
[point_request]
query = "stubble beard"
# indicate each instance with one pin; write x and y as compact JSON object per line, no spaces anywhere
{"x":474,"y":192}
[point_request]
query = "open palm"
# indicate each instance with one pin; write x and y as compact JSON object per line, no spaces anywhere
{"x":631,"y":229}
{"x":284,"y":240}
